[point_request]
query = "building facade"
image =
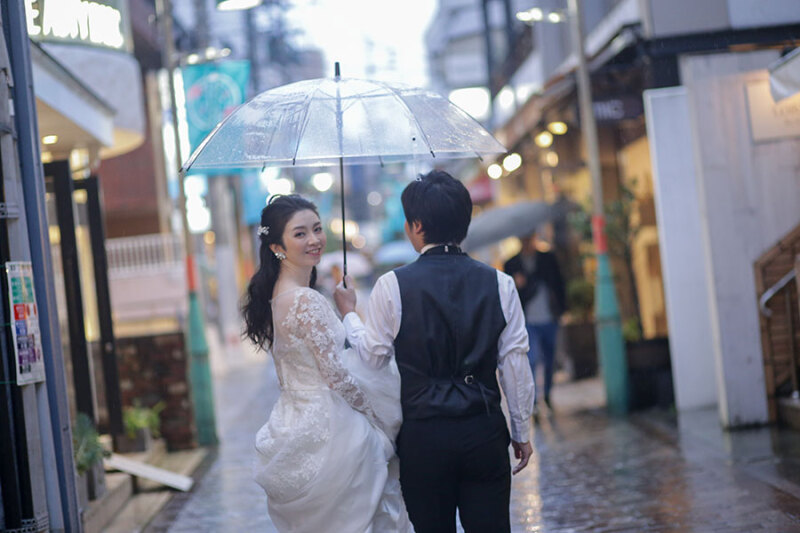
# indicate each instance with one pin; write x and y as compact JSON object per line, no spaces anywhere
{"x":682,"y":277}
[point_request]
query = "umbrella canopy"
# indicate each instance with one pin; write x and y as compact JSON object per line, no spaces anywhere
{"x":357,"y":264}
{"x":516,"y":220}
{"x":395,"y":252}
{"x":317,"y":122}
{"x":342,"y":120}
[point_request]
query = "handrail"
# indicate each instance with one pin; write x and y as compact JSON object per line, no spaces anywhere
{"x":772,"y":291}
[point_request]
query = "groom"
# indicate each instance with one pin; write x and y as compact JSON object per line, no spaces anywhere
{"x":452,"y":324}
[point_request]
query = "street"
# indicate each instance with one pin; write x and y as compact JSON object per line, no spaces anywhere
{"x":588,"y":472}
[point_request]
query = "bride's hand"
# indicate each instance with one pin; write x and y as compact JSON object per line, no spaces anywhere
{"x":345,"y":298}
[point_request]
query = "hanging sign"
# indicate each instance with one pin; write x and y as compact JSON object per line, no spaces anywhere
{"x":212,"y":92}
{"x":102,"y":23}
{"x":25,"y":323}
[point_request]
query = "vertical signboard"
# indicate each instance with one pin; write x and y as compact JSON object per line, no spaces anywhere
{"x":212,"y":92}
{"x":25,"y":323}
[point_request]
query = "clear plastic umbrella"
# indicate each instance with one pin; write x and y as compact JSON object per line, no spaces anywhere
{"x":358,"y":264}
{"x":516,"y":220}
{"x":346,"y":121}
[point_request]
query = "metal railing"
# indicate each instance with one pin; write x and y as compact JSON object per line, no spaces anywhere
{"x":779,"y":286}
{"x":135,"y":255}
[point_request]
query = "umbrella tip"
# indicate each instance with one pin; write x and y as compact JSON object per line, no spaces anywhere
{"x":336,"y":69}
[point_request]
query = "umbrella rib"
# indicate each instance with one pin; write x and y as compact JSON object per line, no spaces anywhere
{"x":413,"y":116}
{"x":371,"y":125}
{"x":269,"y":146}
{"x":196,"y":153}
{"x":304,"y":124}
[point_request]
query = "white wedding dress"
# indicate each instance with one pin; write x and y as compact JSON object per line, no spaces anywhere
{"x":325,"y":456}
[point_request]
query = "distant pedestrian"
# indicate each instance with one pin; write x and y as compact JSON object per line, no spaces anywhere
{"x":541,"y":290}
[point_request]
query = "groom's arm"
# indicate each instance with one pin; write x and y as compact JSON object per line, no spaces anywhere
{"x":374,"y":341}
{"x":513,"y":367}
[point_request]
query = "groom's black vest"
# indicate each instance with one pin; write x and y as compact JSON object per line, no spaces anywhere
{"x":446,"y":349}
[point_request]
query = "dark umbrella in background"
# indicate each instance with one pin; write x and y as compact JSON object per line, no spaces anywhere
{"x":331,"y":121}
{"x":515,"y":220}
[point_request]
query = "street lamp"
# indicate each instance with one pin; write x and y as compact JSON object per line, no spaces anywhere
{"x":607,"y":317}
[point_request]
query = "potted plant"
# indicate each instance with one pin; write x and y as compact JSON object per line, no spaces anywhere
{"x":88,"y":453}
{"x":141,"y":426}
{"x":578,"y":328}
{"x":650,"y":374}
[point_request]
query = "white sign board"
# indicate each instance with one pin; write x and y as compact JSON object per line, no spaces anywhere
{"x":771,"y":121}
{"x":102,"y":23}
{"x":25,"y":323}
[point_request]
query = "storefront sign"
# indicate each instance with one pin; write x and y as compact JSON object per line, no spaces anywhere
{"x":623,"y":108}
{"x":771,"y":121}
{"x":25,"y":323}
{"x":101,"y":23}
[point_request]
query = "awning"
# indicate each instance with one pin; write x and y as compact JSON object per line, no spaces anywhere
{"x":67,"y":108}
{"x":784,"y":76}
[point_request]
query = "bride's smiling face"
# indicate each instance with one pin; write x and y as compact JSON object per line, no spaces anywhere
{"x":303,"y":239}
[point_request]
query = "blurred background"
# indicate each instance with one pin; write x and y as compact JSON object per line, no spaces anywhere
{"x":139,"y":274}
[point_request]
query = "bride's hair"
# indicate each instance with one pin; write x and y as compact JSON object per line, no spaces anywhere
{"x":256,"y":308}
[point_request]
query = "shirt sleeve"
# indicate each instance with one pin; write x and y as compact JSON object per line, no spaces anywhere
{"x":513,"y":368}
{"x":374,"y":341}
{"x":309,"y":326}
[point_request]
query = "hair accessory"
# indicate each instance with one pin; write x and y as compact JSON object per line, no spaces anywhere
{"x":280,"y":255}
{"x":263,"y":230}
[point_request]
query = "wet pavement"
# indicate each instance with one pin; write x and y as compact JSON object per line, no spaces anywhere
{"x":589,"y":472}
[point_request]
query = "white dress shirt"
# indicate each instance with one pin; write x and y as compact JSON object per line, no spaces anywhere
{"x":374,"y":342}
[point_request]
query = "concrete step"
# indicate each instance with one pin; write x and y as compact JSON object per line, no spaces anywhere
{"x":138,"y":512}
{"x":151,"y":497}
{"x":119,"y":490}
{"x":789,"y":412}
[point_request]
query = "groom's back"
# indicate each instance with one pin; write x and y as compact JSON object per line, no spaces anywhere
{"x":446,"y":349}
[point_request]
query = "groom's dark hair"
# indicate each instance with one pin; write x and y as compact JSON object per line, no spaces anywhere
{"x":441,"y":204}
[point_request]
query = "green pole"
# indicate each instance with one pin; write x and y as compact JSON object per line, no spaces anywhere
{"x":200,"y":383}
{"x":611,"y":348}
{"x":200,"y":376}
{"x":610,"y":343}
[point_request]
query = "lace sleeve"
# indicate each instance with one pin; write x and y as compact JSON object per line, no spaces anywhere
{"x":309,"y":325}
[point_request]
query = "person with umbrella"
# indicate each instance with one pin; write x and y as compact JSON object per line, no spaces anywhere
{"x":325,"y":455}
{"x":537,"y":276}
{"x":452,"y":324}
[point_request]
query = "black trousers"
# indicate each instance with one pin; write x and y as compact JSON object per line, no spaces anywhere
{"x":456,"y":463}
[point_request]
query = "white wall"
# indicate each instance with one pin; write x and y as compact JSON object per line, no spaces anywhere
{"x":681,"y":246}
{"x":755,"y":13}
{"x":749,"y":197}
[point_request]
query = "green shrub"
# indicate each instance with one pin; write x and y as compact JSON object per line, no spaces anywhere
{"x":138,"y":417}
{"x":86,"y":447}
{"x":580,"y":298}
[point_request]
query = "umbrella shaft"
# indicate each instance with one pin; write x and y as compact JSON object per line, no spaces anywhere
{"x":344,"y":237}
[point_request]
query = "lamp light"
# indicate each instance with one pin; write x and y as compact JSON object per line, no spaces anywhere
{"x":543,"y":139}
{"x":512,"y":162}
{"x":235,"y":5}
{"x":494,"y":171}
{"x":557,"y":127}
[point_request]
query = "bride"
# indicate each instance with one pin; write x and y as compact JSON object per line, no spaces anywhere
{"x":326,"y":455}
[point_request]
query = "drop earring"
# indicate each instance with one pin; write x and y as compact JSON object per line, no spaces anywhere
{"x":280,"y":255}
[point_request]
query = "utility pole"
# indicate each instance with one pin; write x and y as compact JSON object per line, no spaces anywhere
{"x":607,"y":318}
{"x":199,"y":368}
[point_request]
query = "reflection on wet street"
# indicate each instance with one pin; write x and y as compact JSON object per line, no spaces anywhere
{"x":589,"y":472}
